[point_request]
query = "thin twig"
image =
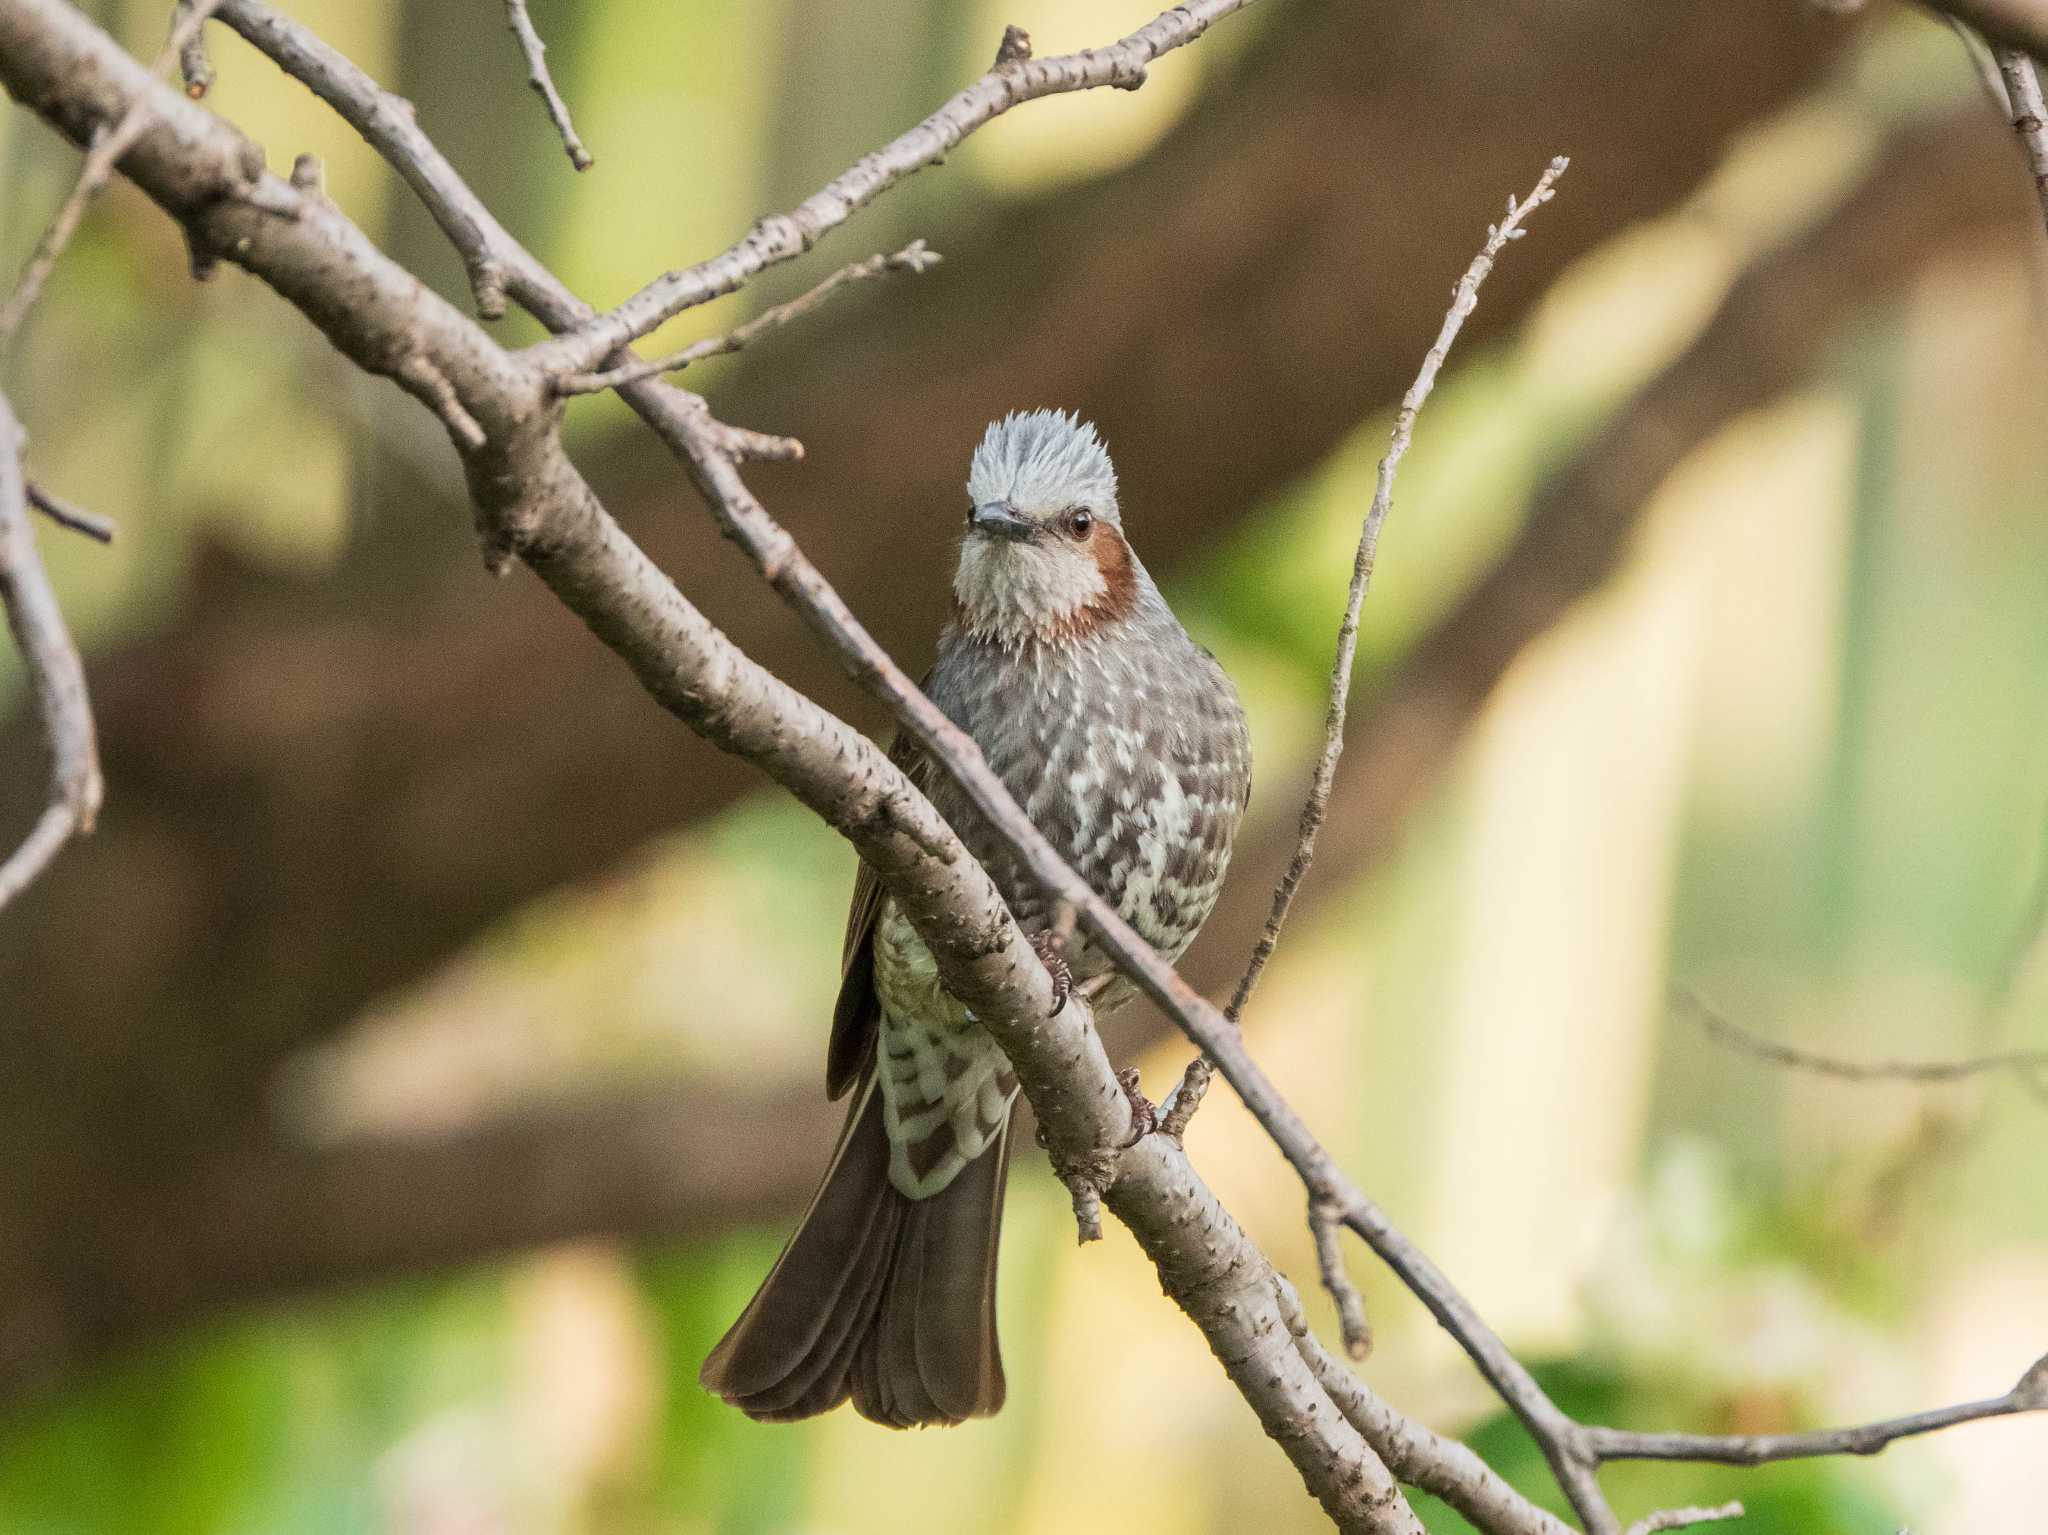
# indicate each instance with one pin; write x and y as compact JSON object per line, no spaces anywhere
{"x":1414,"y":1452}
{"x":1464,"y":298}
{"x":1352,"y":1321}
{"x":1178,"y":1111}
{"x":1718,"y":1027}
{"x":543,"y":83}
{"x":1683,"y":1518}
{"x":2029,"y":1395}
{"x":1194,"y":1083}
{"x":785,"y":236}
{"x":107,"y":148}
{"x":426,"y":379}
{"x":914,"y":257}
{"x":499,"y":266}
{"x":55,"y":674}
{"x":65,"y":515}
{"x":193,"y":64}
{"x":2029,"y":115}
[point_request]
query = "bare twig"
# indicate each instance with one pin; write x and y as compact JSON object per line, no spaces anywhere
{"x":499,"y":266}
{"x":432,"y":385}
{"x":914,"y":257}
{"x":1185,"y":1097}
{"x":2030,"y":1394}
{"x":1194,"y":1083}
{"x":65,"y":515}
{"x":1464,"y":298}
{"x":494,"y":260}
{"x":1351,"y":1318}
{"x":55,"y":675}
{"x":783,"y":236}
{"x":99,"y":165}
{"x":2029,"y":115}
{"x":1683,"y":1518}
{"x":1721,"y":1029}
{"x":1085,"y":1177}
{"x":193,"y":64}
{"x":543,"y":83}
{"x":1415,"y":1453}
{"x":1195,"y":1080}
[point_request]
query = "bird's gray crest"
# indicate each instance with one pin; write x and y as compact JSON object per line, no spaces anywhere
{"x":1043,"y":461}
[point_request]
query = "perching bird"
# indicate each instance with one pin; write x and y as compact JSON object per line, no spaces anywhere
{"x":1124,"y":742}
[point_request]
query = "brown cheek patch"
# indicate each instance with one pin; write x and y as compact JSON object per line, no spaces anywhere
{"x":1119,"y":585}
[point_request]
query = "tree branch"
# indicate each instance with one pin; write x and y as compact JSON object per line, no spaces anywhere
{"x":543,"y":83}
{"x":56,"y":676}
{"x":1464,"y":299}
{"x":915,"y":257}
{"x":2027,"y":1065}
{"x":2029,"y":1394}
{"x":2029,"y":115}
{"x":101,"y":154}
{"x":193,"y":65}
{"x":101,"y":530}
{"x":785,"y":236}
{"x":1416,"y":1454}
{"x":1683,"y":1518}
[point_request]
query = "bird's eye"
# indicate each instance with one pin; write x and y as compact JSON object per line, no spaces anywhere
{"x":1078,"y":522}
{"x":970,"y":514}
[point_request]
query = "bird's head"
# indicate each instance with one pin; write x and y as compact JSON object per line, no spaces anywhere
{"x":1044,"y":556}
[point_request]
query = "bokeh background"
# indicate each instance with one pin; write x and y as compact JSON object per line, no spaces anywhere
{"x":406,"y":1086}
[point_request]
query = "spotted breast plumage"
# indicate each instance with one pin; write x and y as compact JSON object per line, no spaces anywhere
{"x":1124,"y":742}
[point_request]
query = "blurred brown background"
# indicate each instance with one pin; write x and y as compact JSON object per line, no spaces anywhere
{"x":405,"y":1085}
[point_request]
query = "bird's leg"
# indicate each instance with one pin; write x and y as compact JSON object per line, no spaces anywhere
{"x":1051,"y":948}
{"x":1144,"y":1114}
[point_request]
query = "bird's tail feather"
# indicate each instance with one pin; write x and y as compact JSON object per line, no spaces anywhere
{"x":884,"y":1298}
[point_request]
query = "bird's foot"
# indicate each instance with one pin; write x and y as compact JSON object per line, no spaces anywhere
{"x":1144,"y":1113}
{"x":1051,"y":953}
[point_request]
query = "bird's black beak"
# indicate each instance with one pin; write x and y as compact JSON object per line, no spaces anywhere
{"x":999,"y":519}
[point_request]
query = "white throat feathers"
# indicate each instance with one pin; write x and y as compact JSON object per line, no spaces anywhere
{"x":1048,"y":561}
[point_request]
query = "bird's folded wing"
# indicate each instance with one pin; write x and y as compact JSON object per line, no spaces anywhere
{"x":857,"y":1015}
